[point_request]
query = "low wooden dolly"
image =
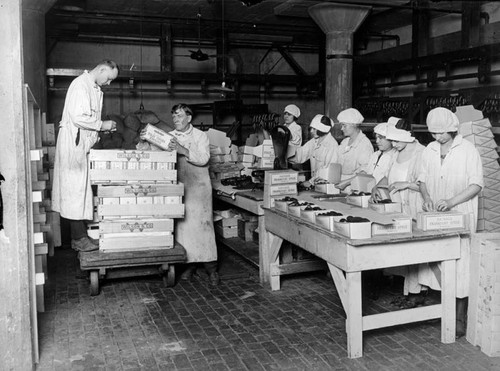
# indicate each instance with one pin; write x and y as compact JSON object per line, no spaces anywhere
{"x":131,"y":264}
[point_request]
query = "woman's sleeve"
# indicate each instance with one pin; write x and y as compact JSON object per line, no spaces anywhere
{"x":364,"y":154}
{"x":296,"y":134}
{"x":80,"y":109}
{"x":423,"y":166}
{"x":474,"y":167}
{"x":199,"y":150}
{"x":303,"y":153}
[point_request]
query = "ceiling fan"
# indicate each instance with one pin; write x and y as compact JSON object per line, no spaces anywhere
{"x":199,"y":55}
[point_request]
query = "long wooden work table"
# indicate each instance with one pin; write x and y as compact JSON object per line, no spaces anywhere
{"x":348,"y":258}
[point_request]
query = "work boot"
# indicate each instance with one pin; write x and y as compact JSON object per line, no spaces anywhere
{"x":187,"y":275}
{"x":213,"y":276}
{"x":83,"y":245}
{"x":461,"y":317}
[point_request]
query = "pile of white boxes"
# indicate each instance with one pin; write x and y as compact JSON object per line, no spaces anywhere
{"x":137,"y":200}
{"x":483,"y":323}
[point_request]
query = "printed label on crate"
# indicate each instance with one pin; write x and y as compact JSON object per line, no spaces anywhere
{"x":281,"y":177}
{"x":282,"y":189}
{"x":443,"y":220}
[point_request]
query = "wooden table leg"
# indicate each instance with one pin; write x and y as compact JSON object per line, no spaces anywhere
{"x":354,"y":322}
{"x":448,"y":301}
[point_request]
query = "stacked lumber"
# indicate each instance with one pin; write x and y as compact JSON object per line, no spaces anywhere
{"x":137,"y":200}
{"x":483,"y":324}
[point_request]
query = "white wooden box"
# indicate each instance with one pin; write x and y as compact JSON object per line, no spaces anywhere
{"x":327,"y":221}
{"x":392,"y":207}
{"x":327,"y":188}
{"x":361,"y":201}
{"x":402,"y":224}
{"x":122,"y":166}
{"x":274,"y":177}
{"x":355,"y":231}
{"x":434,"y":220}
{"x":310,"y":215}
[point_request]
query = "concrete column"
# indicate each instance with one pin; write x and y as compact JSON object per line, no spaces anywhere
{"x":16,"y":352}
{"x":339,"y":22}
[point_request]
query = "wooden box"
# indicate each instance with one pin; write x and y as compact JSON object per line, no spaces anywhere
{"x":434,"y":220}
{"x":226,"y":232}
{"x":402,"y":224}
{"x":392,"y":207}
{"x":136,"y":241}
{"x":327,"y":221}
{"x":246,"y":229}
{"x":272,"y":192}
{"x":361,"y":201}
{"x":127,"y":166}
{"x":274,"y":177}
{"x":327,"y":188}
{"x":156,"y":136}
{"x":295,"y":210}
{"x":353,"y":231}
{"x":310,"y":215}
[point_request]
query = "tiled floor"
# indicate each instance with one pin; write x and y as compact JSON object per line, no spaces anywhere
{"x":139,"y":324}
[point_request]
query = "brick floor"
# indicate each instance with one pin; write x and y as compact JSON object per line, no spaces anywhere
{"x":139,"y":324}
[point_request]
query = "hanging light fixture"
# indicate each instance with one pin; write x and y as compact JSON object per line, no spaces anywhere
{"x":223,"y":88}
{"x":141,"y":106}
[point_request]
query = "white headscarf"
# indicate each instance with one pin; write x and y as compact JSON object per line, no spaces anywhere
{"x":292,"y":109}
{"x":442,"y":120}
{"x":350,"y":116}
{"x":318,"y":125}
{"x":399,"y":135}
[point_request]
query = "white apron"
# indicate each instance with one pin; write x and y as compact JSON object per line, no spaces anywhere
{"x":71,"y":190}
{"x":196,"y":231}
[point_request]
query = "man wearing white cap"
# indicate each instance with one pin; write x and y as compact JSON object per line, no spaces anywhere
{"x":356,"y":149}
{"x":290,"y":115}
{"x":380,"y":161}
{"x":322,"y":149}
{"x":451,"y":177}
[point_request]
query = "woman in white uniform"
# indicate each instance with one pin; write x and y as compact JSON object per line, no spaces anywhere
{"x":380,"y":161}
{"x":404,"y":188}
{"x":321,"y":150}
{"x":451,"y":177}
{"x":356,"y":149}
{"x":291,"y":115}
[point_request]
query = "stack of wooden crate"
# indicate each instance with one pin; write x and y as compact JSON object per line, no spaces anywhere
{"x":483,"y":325}
{"x":138,"y":198}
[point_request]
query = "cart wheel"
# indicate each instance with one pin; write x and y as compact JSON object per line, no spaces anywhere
{"x":94,"y":283}
{"x":169,"y":278}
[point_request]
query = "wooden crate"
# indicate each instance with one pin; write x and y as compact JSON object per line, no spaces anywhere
{"x":122,"y":166}
{"x":483,"y":324}
{"x":142,"y":210}
{"x":136,"y":241}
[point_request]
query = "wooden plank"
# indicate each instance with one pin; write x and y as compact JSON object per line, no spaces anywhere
{"x":41,"y":249}
{"x":354,"y":321}
{"x":39,"y":185}
{"x":156,"y":210}
{"x":40,"y":218}
{"x":132,"y":175}
{"x":128,"y":243}
{"x":141,"y":190}
{"x":133,"y":272}
{"x":400,"y":317}
{"x":136,"y":225}
{"x":340,"y":284}
{"x":36,"y":196}
{"x":448,"y":301}
{"x":38,"y":237}
{"x":127,"y":249}
{"x":298,"y":267}
{"x":132,"y":155}
{"x":36,"y":154}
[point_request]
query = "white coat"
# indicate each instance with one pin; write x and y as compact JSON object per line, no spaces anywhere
{"x":71,"y":190}
{"x":460,"y":168}
{"x":354,"y":157}
{"x":380,"y":164}
{"x":321,"y":154}
{"x":296,"y":134}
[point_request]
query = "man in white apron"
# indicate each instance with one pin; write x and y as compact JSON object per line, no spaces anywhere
{"x":196,"y":231}
{"x":78,"y":132}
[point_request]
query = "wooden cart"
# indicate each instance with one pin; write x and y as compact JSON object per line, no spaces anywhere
{"x":131,"y":264}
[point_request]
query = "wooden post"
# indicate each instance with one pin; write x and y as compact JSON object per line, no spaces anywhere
{"x":16,"y":343}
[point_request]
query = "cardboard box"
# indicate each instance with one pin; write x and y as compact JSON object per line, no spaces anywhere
{"x":246,"y":229}
{"x":327,"y":188}
{"x":295,"y":210}
{"x":434,"y":220}
{"x":281,"y":205}
{"x":274,"y":177}
{"x":361,"y":201}
{"x":363,"y":183}
{"x":156,"y":136}
{"x":402,"y":224}
{"x":392,"y":207}
{"x":355,"y":231}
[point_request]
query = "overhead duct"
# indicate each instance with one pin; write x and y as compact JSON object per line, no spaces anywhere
{"x":339,"y":22}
